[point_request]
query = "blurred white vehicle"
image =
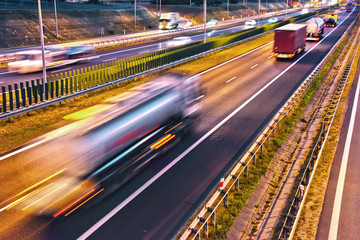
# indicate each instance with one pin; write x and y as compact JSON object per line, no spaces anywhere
{"x":211,"y":33}
{"x":178,"y":41}
{"x":27,"y":61}
{"x":212,"y":22}
{"x":272,"y":20}
{"x":304,"y":11}
{"x":79,"y":51}
{"x":250,"y":22}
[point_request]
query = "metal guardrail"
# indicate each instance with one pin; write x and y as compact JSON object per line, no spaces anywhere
{"x":208,"y":213}
{"x":292,"y":216}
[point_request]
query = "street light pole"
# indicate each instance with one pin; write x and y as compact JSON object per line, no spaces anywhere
{"x":204,"y":21}
{"x":287,"y":2}
{"x":227,"y":9}
{"x":160,"y":9}
{"x":258,"y":22}
{"x":56,"y":25}
{"x":135,"y":14}
{"x":42,"y":46}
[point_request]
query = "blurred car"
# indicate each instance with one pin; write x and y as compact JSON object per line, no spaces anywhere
{"x":79,"y":51}
{"x":273,"y":20}
{"x":211,"y":33}
{"x":56,"y":53}
{"x":250,"y":22}
{"x":212,"y":22}
{"x":27,"y":61}
{"x":178,"y":41}
{"x":305,"y":11}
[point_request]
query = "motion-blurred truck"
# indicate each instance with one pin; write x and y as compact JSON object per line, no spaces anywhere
{"x":331,"y":20}
{"x":169,"y":20}
{"x":315,"y":29}
{"x":107,"y":146}
{"x":289,"y":40}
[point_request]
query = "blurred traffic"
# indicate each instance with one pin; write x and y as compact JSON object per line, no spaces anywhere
{"x":55,"y":56}
{"x":110,"y":141}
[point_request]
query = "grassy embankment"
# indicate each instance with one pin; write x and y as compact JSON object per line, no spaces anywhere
{"x":309,"y":219}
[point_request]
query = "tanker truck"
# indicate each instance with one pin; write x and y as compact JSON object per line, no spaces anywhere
{"x":289,"y":40}
{"x":315,"y":29}
{"x":104,"y":149}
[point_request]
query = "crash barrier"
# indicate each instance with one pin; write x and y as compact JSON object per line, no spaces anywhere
{"x":29,"y":93}
{"x":199,"y":227}
{"x":292,"y":216}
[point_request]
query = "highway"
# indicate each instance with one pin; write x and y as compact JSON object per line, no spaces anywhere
{"x":7,"y":77}
{"x":241,"y":96}
{"x":339,"y":216}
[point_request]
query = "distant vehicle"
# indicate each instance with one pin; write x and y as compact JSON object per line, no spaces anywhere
{"x":289,"y":40}
{"x":78,"y":1}
{"x":349,"y":7}
{"x":79,"y":51}
{"x":212,"y":22}
{"x":305,"y":11}
{"x":169,"y":20}
{"x":315,"y":29}
{"x":273,"y":20}
{"x":107,"y":148}
{"x":250,"y":22}
{"x":175,"y":42}
{"x":330,"y":22}
{"x":211,"y":33}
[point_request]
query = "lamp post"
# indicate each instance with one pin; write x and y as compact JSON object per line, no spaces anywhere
{"x":56,"y":25}
{"x":258,"y":22}
{"x":287,"y":2}
{"x":135,"y":14}
{"x":42,"y":46}
{"x":204,"y":21}
{"x":227,"y":9}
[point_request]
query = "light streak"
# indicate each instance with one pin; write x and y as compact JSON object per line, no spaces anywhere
{"x":84,"y":202}
{"x":73,"y":203}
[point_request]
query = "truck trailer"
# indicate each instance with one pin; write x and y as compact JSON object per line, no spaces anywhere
{"x":289,"y":40}
{"x":169,"y":20}
{"x":108,"y":147}
{"x":315,"y":29}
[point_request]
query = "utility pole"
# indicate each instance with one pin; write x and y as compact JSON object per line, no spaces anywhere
{"x":135,"y":15}
{"x":42,"y":46}
{"x":204,"y":21}
{"x":227,"y":9}
{"x":56,"y":25}
{"x":258,"y":21}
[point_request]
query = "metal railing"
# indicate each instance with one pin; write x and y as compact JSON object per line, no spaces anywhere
{"x":292,"y":216}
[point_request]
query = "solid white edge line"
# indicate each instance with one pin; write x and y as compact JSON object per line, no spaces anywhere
{"x":335,"y":217}
{"x":103,"y":220}
{"x":22,"y":149}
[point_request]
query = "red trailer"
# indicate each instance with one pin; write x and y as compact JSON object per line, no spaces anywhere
{"x":289,"y":40}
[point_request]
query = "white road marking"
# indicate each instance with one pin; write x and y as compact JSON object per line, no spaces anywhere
{"x":22,"y":149}
{"x":143,"y":52}
{"x":109,"y":60}
{"x":254,"y":66}
{"x":270,"y":56}
{"x":61,"y":70}
{"x":230,"y":79}
{"x":93,"y":57}
{"x":7,"y":72}
{"x":200,"y":97}
{"x":335,"y":217}
{"x":103,"y":220}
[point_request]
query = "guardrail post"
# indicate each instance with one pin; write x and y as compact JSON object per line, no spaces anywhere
{"x":4,"y":98}
{"x":40,"y":89}
{"x":34,"y":91}
{"x":46,"y":91}
{"x":28,"y":88}
{"x":254,"y":158}
{"x":197,"y":236}
{"x":11,"y":101}
{"x":226,"y":200}
{"x":237,"y":184}
{"x":57,"y":88}
{"x":17,"y":96}
{"x":213,"y":218}
{"x":23,"y":95}
{"x":206,"y":229}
